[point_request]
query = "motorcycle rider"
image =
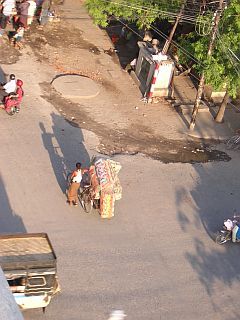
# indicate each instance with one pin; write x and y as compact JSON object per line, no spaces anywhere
{"x":10,"y":86}
{"x":14,"y":99}
{"x":233,"y":226}
{"x":235,"y":233}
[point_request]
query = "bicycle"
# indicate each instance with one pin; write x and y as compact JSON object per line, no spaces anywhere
{"x":84,"y":194}
{"x":233,"y":143}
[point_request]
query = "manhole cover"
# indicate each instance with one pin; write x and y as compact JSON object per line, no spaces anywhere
{"x":76,"y":87}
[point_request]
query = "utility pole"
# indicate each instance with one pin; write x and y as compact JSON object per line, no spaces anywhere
{"x":209,"y":53}
{"x":169,"y":40}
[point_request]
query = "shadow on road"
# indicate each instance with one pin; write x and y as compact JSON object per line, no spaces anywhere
{"x":214,"y":198}
{"x":64,"y":148}
{"x":9,"y":221}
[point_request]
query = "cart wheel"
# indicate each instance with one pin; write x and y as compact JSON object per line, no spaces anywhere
{"x":86,"y":202}
{"x":96,"y":204}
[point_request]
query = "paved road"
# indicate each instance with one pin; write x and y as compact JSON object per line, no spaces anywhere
{"x":155,"y":259}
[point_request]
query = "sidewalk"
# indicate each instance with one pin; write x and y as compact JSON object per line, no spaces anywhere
{"x":161,"y":119}
{"x":206,"y":127}
{"x":114,"y":112}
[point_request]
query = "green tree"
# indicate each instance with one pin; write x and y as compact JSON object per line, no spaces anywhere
{"x":222,"y":69}
{"x":142,"y":12}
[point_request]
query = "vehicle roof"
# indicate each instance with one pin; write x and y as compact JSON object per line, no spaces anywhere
{"x":26,"y":250}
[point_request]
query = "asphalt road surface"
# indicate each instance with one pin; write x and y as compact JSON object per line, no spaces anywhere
{"x":155,"y":259}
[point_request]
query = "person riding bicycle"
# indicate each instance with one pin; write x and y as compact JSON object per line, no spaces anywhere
{"x":76,"y":178}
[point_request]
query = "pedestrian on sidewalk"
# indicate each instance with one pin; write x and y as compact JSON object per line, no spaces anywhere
{"x":45,"y":8}
{"x":18,"y":36}
{"x":31,"y":11}
{"x":8,"y":10}
{"x":23,"y":13}
{"x":76,"y":178}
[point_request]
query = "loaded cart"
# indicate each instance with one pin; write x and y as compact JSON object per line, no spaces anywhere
{"x":105,"y":185}
{"x":30,"y":265}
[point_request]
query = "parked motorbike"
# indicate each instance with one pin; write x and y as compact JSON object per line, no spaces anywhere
{"x":225,"y":234}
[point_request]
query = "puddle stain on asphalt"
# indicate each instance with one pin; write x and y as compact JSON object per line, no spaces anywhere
{"x":131,"y":142}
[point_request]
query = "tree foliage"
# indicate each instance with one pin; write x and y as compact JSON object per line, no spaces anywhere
{"x":222,"y":69}
{"x":142,"y":12}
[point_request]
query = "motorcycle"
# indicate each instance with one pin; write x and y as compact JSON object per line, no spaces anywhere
{"x":225,"y":234}
{"x":11,"y":105}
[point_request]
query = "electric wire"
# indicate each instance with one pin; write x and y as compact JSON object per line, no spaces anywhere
{"x":186,"y":52}
{"x":167,"y":13}
{"x":224,"y":49}
{"x":165,"y":37}
{"x":234,"y":55}
{"x":129,"y":5}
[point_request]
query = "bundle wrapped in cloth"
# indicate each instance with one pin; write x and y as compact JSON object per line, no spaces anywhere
{"x":106,"y":184}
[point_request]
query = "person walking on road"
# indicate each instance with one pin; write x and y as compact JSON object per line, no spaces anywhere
{"x":76,"y":178}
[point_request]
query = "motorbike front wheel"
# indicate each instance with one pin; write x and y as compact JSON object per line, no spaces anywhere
{"x":221,"y":239}
{"x":11,"y":112}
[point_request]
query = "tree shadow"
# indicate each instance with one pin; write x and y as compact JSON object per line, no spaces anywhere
{"x":183,"y":196}
{"x":10,"y":222}
{"x":65,"y":146}
{"x":214,"y":198}
{"x":213,"y":266}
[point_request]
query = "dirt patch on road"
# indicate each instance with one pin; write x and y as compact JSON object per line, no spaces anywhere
{"x":135,"y":140}
{"x":8,"y":54}
{"x":129,"y":130}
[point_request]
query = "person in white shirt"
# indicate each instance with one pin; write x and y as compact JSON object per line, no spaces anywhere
{"x":9,"y":8}
{"x":31,"y":11}
{"x":10,"y":86}
{"x":76,"y":178}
